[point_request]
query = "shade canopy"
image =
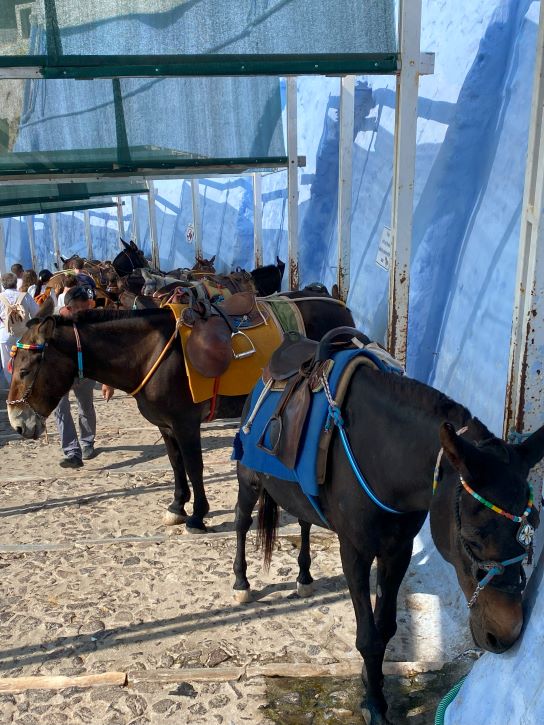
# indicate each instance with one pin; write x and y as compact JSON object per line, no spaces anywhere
{"x":25,"y":194}
{"x":50,"y":207}
{"x":115,"y":38}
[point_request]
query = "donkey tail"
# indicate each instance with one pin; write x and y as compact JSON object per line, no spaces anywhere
{"x":267,"y":526}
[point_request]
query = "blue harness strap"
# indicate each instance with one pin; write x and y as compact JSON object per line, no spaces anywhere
{"x":323,"y":414}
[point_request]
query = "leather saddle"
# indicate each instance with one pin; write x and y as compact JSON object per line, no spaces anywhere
{"x":299,"y":365}
{"x":215,"y":327}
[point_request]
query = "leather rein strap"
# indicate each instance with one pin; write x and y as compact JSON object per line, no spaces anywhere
{"x":156,"y":363}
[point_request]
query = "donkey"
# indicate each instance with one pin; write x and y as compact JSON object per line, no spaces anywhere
{"x":119,"y":347}
{"x":482,"y":513}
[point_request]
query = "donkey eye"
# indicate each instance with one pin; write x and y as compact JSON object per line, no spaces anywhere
{"x":23,"y":372}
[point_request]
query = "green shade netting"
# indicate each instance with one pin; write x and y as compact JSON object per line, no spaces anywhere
{"x":49,"y":207}
{"x":70,"y":32}
{"x":24,"y":194}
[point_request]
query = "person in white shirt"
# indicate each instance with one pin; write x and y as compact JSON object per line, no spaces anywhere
{"x":10,"y":296}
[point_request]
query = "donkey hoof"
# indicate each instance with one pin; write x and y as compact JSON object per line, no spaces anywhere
{"x":195,"y":525}
{"x":172,"y":519}
{"x":242,"y":596}
{"x":305,"y":590}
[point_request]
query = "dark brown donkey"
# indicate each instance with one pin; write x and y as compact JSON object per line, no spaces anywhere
{"x":396,"y":427}
{"x":119,"y":348}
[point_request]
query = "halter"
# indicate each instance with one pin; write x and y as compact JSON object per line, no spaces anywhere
{"x":524,"y":537}
{"x":35,"y":347}
{"x":124,"y":251}
{"x":41,"y":347}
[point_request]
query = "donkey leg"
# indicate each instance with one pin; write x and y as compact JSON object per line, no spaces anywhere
{"x":392,"y":566}
{"x":191,"y":448}
{"x":248,"y":495}
{"x":356,"y":565}
{"x":176,"y":513}
{"x":304,"y":579}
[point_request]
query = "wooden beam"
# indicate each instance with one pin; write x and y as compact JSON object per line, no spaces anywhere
{"x":59,"y":682}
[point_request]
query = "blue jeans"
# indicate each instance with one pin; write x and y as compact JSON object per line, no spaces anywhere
{"x":83,"y":390}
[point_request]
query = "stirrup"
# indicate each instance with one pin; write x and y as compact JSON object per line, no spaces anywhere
{"x":245,"y":353}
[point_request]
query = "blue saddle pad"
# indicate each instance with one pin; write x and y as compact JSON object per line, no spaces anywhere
{"x":247,"y":451}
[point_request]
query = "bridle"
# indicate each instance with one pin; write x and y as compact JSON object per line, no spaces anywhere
{"x":35,"y":347}
{"x":492,"y":568}
{"x":41,"y":348}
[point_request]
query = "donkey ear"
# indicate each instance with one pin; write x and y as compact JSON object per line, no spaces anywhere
{"x":125,"y":245}
{"x":212,"y":260}
{"x":133,"y":246}
{"x":532,"y":449}
{"x":460,"y":453}
{"x":46,"y":329}
{"x":46,"y":309}
{"x":63,"y":259}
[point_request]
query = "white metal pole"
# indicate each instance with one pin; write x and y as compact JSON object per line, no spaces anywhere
{"x":155,"y":258}
{"x":88,"y":234}
{"x":257,"y":220}
{"x":524,"y":404}
{"x":120,"y":220}
{"x":31,"y":240}
{"x":347,"y":113}
{"x":55,"y":233}
{"x":403,"y":176}
{"x":134,"y":208}
{"x":292,"y":184}
{"x":2,"y":248}
{"x":197,"y":221}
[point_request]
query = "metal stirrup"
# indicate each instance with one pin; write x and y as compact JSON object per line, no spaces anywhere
{"x":246,"y":353}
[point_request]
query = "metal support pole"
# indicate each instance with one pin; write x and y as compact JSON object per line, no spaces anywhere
{"x":2,"y":248}
{"x":88,"y":234}
{"x":347,"y":113}
{"x":292,"y":183}
{"x":197,"y":221}
{"x":120,"y":220}
{"x":134,"y":208}
{"x":55,"y":233}
{"x":524,"y":404}
{"x":155,"y":258}
{"x":257,"y":221}
{"x":31,"y":240}
{"x":403,"y":176}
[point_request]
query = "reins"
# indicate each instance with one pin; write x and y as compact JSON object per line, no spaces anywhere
{"x":41,"y":347}
{"x":156,"y":363}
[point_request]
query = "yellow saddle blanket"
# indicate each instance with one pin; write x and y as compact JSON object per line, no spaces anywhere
{"x":242,"y":374}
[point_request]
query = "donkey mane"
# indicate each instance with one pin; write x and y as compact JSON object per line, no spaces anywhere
{"x":89,"y":317}
{"x":426,"y":397}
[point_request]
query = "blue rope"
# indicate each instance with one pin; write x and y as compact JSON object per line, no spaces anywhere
{"x":80,"y":364}
{"x":336,"y":418}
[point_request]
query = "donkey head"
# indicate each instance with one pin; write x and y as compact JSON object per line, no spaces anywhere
{"x":129,"y":259}
{"x":41,"y":375}
{"x":482,"y":522}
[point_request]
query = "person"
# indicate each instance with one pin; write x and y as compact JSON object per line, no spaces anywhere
{"x":69,"y":281}
{"x":16,"y":308}
{"x":17,"y":270}
{"x":78,"y":299}
{"x":30,"y":280}
{"x":42,"y":292}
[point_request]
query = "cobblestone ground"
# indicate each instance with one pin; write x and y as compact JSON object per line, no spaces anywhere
{"x":92,"y":582}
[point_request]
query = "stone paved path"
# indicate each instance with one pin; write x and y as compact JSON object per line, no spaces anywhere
{"x":91,"y":581}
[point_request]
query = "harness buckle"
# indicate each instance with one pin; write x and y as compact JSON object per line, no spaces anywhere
{"x":491,"y":565}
